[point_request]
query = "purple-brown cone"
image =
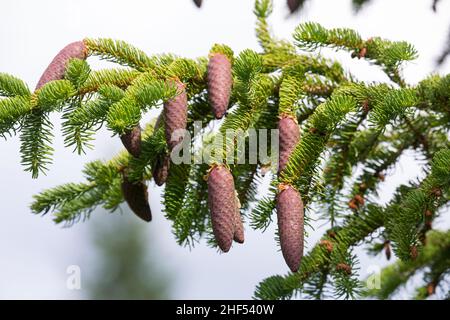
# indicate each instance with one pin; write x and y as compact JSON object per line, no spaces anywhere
{"x":238,"y":225}
{"x":220,"y":82}
{"x":238,"y":228}
{"x":161,"y":169}
{"x":294,"y":5}
{"x":136,"y":195}
{"x":175,"y":115}
{"x":222,"y":205}
{"x":57,"y":68}
{"x":289,"y":134}
{"x":290,"y":226}
{"x":198,"y":3}
{"x":132,"y":141}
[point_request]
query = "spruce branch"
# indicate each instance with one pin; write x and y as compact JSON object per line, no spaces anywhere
{"x":11,"y":86}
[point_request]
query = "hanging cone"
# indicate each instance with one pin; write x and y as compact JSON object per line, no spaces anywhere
{"x":238,"y":225}
{"x":222,"y":205}
{"x":294,"y":5}
{"x":57,"y":68}
{"x":198,"y":3}
{"x":289,"y":136}
{"x":132,"y":141}
{"x":220,"y":81}
{"x":175,"y":115}
{"x":387,"y":250}
{"x":290,"y":225}
{"x":136,"y":195}
{"x":161,"y":169}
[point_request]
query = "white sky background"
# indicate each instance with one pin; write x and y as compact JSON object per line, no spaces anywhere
{"x":34,"y":253}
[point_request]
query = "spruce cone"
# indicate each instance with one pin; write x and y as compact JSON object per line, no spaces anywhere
{"x":289,"y":137}
{"x":132,"y":141}
{"x":387,"y":250}
{"x":175,"y":115}
{"x":294,"y":5}
{"x":161,"y":169}
{"x":136,"y":195}
{"x":222,"y":205}
{"x":198,"y":3}
{"x":220,"y":82}
{"x":290,"y":226}
{"x":238,"y":225}
{"x":57,"y":68}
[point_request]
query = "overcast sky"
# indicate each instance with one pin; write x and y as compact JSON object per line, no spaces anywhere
{"x":34,"y":253}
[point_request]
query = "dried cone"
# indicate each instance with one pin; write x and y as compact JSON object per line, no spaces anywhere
{"x":136,"y":195}
{"x":344,"y":267}
{"x":175,"y":115}
{"x":359,"y":199}
{"x":57,"y":68}
{"x":238,"y":225}
{"x":294,"y":5}
{"x":290,"y":225}
{"x":161,"y":169}
{"x":289,"y":134}
{"x":132,"y":141}
{"x":222,"y":205}
{"x":198,"y":3}
{"x":327,"y":244}
{"x":220,"y":82}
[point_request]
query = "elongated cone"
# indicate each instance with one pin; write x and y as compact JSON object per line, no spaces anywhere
{"x":57,"y":68}
{"x":238,"y":235}
{"x":198,"y":3}
{"x":290,"y":226}
{"x":161,"y":169}
{"x":175,"y":115}
{"x":294,"y":5}
{"x":132,"y":141}
{"x":222,"y":205}
{"x":289,"y":134}
{"x":136,"y":195}
{"x":220,"y":82}
{"x":387,"y":250}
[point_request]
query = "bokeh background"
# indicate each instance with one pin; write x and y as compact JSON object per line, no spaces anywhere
{"x":118,"y":255}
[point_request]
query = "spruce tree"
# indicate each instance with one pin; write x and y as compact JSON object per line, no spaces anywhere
{"x":351,"y":133}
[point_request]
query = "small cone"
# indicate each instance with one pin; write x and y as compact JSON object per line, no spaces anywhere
{"x":238,"y":225}
{"x":222,"y":205}
{"x":57,"y":68}
{"x":387,"y":250}
{"x":198,"y":3}
{"x":290,"y":226}
{"x":294,"y":5}
{"x":136,"y":195}
{"x":132,"y":141}
{"x":161,"y":169}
